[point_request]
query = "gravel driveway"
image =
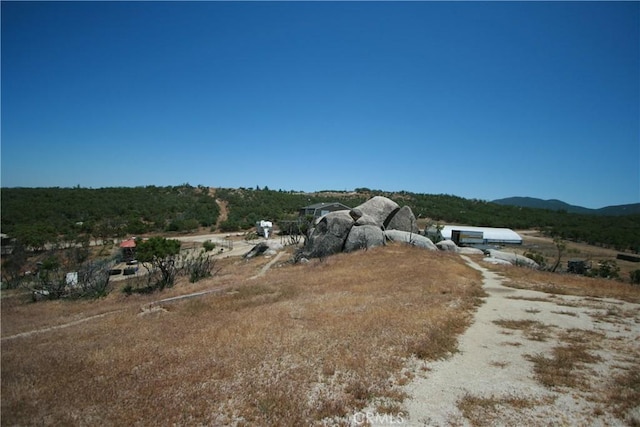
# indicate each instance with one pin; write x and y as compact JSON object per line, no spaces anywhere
{"x":497,"y":376}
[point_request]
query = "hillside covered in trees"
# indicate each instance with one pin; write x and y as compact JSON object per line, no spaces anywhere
{"x":36,"y":216}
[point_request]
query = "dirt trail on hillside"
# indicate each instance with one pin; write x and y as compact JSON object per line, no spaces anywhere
{"x":62,"y":326}
{"x":491,"y":380}
{"x":224,"y":212}
{"x":267,"y":266}
{"x":146,"y":308}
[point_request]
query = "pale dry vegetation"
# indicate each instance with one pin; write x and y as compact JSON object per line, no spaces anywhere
{"x":562,"y":369}
{"x":532,"y":329}
{"x":584,"y":363}
{"x":489,"y":410}
{"x":567,"y":284}
{"x":305,"y":344}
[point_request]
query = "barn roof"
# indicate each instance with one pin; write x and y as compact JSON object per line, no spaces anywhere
{"x":489,"y":233}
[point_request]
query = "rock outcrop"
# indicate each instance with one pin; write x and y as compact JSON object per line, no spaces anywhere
{"x":380,"y":220}
{"x":379,"y":208}
{"x":403,"y":220}
{"x":267,"y":248}
{"x":448,"y":246}
{"x":329,"y":235}
{"x":370,"y":224}
{"x":470,"y":251}
{"x":364,"y":237}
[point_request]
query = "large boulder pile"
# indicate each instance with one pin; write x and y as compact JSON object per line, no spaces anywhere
{"x":370,"y":224}
{"x":380,"y":220}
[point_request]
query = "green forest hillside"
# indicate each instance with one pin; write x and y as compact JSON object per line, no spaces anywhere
{"x":36,"y":216}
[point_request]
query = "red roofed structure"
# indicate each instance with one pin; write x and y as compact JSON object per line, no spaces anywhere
{"x":128,"y":249}
{"x":128,"y":244}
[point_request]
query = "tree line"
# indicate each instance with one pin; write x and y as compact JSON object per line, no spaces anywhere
{"x":247,"y":206}
{"x":619,"y":232}
{"x":37,"y":216}
{"x":40,"y":216}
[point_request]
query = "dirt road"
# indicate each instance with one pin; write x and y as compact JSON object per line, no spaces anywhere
{"x":495,"y":378}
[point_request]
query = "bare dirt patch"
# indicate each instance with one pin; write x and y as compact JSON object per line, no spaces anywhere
{"x":525,"y":361}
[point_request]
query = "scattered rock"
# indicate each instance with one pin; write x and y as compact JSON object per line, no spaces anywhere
{"x":267,"y":248}
{"x":40,"y":294}
{"x":513,"y":259}
{"x":496,"y":261}
{"x":470,"y":251}
{"x":410,"y":238}
{"x":448,"y":246}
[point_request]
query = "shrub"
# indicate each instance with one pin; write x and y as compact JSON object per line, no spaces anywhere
{"x":606,"y":269}
{"x":200,"y":267}
{"x":229,"y":225}
{"x":208,"y":246}
{"x":161,"y":254}
{"x":183,"y":225}
{"x":91,"y":278}
{"x":537,"y":257}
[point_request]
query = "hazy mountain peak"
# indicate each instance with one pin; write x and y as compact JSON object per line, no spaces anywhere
{"x":559,"y":205}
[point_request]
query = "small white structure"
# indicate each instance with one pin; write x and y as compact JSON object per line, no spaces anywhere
{"x":489,"y":234}
{"x":71,"y":279}
{"x":264,"y":228}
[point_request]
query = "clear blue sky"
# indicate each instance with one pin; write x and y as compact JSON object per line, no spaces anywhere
{"x":480,"y":100}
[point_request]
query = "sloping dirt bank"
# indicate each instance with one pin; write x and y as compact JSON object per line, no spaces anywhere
{"x":532,"y":358}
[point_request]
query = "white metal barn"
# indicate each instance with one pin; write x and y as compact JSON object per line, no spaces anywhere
{"x":490,"y":234}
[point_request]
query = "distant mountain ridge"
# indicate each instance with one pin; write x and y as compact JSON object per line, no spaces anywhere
{"x":559,"y":205}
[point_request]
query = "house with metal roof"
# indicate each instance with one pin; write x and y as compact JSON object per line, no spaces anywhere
{"x":319,"y":209}
{"x":481,"y":235}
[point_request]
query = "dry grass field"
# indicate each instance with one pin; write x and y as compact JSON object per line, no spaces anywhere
{"x":305,"y":344}
{"x":534,"y":241}
{"x":568,"y":284}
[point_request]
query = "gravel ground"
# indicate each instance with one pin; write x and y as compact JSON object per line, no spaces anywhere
{"x":492,"y":374}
